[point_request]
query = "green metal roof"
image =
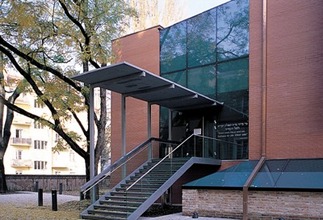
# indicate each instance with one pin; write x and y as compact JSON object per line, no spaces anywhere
{"x":280,"y":174}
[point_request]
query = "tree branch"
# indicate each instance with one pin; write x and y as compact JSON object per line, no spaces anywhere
{"x":39,"y":65}
{"x":31,"y":82}
{"x":56,"y":128}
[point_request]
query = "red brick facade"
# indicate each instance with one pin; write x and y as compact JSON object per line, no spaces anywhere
{"x":294,"y":122}
{"x":140,"y":49}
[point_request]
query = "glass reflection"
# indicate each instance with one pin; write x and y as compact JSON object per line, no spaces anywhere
{"x":233,"y":30}
{"x":202,"y":80}
{"x":201,"y":39}
{"x":173,"y":48}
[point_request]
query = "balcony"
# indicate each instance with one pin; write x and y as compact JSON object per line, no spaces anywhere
{"x":25,"y":142}
{"x":23,"y":100}
{"x":21,"y":120}
{"x":21,"y":163}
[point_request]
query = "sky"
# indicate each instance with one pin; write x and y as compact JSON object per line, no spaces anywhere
{"x":194,"y":7}
{"x":189,"y":8}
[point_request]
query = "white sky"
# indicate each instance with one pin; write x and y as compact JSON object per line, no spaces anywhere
{"x":189,"y":8}
{"x":194,"y":7}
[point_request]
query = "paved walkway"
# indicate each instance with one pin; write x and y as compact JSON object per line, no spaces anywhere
{"x":23,"y":198}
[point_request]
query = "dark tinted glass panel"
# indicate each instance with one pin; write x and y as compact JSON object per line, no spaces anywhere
{"x":290,"y":174}
{"x":232,"y":86}
{"x":304,"y":166}
{"x":301,"y":180}
{"x":177,"y":77}
{"x":163,"y":122}
{"x":201,"y":39}
{"x":233,"y":30}
{"x":235,"y":176}
{"x":233,"y":76}
{"x":269,"y":173}
{"x":173,"y":48}
{"x":202,"y":80}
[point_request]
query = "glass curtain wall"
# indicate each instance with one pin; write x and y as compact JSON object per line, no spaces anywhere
{"x":209,"y":53}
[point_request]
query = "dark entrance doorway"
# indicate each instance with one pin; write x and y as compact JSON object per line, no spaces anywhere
{"x":197,"y":121}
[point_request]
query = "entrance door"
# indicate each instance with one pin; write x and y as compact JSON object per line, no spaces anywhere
{"x":184,"y":124}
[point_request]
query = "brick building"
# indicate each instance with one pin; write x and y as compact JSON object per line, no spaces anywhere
{"x":260,"y":64}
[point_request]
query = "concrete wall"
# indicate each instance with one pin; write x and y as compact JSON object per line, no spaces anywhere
{"x":262,"y":204}
{"x":294,"y":125}
{"x":45,"y":182}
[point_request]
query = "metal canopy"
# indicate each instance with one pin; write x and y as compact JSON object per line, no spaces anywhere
{"x":130,"y":80}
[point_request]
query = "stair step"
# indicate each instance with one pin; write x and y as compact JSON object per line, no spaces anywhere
{"x":115,"y":214}
{"x":91,"y":216}
{"x":142,"y":186}
{"x":121,"y":203}
{"x":139,"y":189}
{"x":131,"y":194}
{"x":129,"y":198}
{"x":115,"y":207}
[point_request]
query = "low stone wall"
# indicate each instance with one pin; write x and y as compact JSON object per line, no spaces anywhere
{"x":261,"y":204}
{"x":45,"y":182}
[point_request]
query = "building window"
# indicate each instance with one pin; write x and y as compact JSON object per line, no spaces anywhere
{"x":57,"y":137}
{"x":40,"y":144}
{"x":40,"y":165}
{"x":18,"y":133}
{"x":19,"y":154}
{"x":38,"y":125}
{"x":38,"y":104}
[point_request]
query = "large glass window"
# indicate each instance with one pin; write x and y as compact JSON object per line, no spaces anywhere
{"x":202,"y":80}
{"x":209,"y":53}
{"x":233,"y":30}
{"x":232,"y":84}
{"x":177,"y":77}
{"x":201,"y":39}
{"x":173,"y":48}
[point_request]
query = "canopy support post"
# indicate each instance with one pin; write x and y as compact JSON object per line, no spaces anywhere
{"x":150,"y":151}
{"x":123,"y":133}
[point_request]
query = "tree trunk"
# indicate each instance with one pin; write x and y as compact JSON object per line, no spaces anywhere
{"x":3,"y":184}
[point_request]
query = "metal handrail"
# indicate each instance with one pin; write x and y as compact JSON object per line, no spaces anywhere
{"x":121,"y":161}
{"x":164,"y":158}
{"x":153,"y":167}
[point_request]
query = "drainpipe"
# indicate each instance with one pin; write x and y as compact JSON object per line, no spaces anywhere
{"x":264,"y":80}
{"x":263,"y":111}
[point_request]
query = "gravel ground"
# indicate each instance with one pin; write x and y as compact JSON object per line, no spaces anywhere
{"x":24,"y":206}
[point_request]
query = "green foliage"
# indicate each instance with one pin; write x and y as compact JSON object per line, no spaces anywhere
{"x":49,"y":41}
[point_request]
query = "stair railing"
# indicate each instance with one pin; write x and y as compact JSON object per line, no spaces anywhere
{"x":169,"y":155}
{"x":206,"y":148}
{"x":119,"y":163}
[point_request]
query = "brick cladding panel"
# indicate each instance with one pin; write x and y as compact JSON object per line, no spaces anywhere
{"x":261,"y":205}
{"x":142,"y":50}
{"x":294,"y":79}
{"x":255,"y":81}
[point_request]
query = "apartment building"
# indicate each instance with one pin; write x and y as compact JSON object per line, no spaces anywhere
{"x":30,"y":149}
